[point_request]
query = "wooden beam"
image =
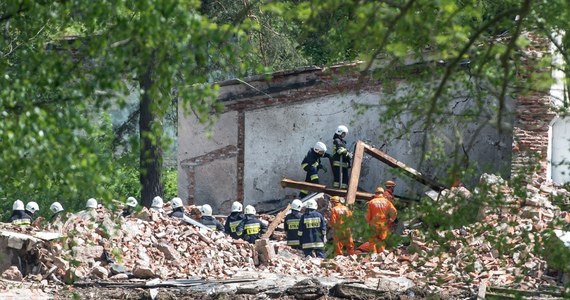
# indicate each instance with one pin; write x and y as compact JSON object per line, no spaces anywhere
{"x":394,"y":163}
{"x":355,"y":173}
{"x":313,"y":187}
{"x":278,"y":219}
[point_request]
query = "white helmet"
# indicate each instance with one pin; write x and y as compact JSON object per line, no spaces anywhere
{"x":311,"y":204}
{"x":320,"y":147}
{"x":132,"y":202}
{"x":237,"y":207}
{"x":91,"y":203}
{"x":56,"y":207}
{"x":206,"y":210}
{"x":157,"y":202}
{"x":32,"y":207}
{"x":341,"y":129}
{"x":297,"y":205}
{"x":250,"y":210}
{"x":176,"y":202}
{"x":18,"y":205}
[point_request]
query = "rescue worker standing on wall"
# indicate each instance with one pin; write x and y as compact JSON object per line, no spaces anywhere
{"x":233,"y":220}
{"x":380,"y":215}
{"x":389,"y":191}
{"x":312,"y":164}
{"x":342,"y":235}
{"x":340,"y":158}
{"x":208,"y":220}
{"x":19,"y":216}
{"x":177,"y":208}
{"x":130,"y":207}
{"x":312,"y":230}
{"x":292,"y":224}
{"x":250,"y":229}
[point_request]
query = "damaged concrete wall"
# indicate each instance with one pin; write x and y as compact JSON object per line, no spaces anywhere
{"x":266,"y":130}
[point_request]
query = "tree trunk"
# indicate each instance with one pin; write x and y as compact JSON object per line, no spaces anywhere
{"x":150,"y":141}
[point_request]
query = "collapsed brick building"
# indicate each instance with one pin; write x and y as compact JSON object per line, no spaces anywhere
{"x":269,"y":122}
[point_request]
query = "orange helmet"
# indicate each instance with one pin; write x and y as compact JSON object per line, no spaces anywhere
{"x":390,"y":183}
{"x":335,"y":199}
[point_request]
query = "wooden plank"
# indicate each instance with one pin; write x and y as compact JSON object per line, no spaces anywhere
{"x":394,"y":163}
{"x":355,"y":173}
{"x":312,"y":187}
{"x":278,"y":219}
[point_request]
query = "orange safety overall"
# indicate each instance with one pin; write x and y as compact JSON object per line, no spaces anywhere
{"x":342,"y":235}
{"x":380,"y":215}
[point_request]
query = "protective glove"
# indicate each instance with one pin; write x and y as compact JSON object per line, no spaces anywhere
{"x":350,"y":155}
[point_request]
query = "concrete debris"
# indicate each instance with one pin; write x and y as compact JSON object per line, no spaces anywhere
{"x":12,"y":273}
{"x":495,"y":251}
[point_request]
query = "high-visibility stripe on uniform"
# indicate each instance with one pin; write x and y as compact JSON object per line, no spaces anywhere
{"x":314,"y":177}
{"x":313,"y":245}
{"x":234,"y":225}
{"x":252,"y":228}
{"x":312,"y":222}
{"x":304,"y":165}
{"x":293,"y":224}
{"x":22,"y":222}
{"x":293,"y":243}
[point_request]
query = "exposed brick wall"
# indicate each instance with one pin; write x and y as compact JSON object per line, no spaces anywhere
{"x":534,"y":113}
{"x":530,"y":141}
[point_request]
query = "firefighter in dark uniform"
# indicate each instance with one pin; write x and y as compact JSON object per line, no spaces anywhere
{"x":19,"y":216}
{"x":250,"y":229}
{"x":312,"y":231}
{"x":177,"y":208}
{"x":292,"y":224}
{"x":340,"y":158}
{"x":130,"y":207}
{"x":233,"y":220}
{"x":208,"y":220}
{"x":312,"y":164}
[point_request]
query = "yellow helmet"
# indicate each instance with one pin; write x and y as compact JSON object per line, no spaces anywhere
{"x":335,"y":199}
{"x":379,"y":190}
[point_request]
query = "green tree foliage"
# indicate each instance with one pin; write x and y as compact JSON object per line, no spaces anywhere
{"x":467,"y":59}
{"x":64,"y":63}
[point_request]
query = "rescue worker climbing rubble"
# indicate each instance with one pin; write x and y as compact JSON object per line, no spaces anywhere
{"x":250,"y":229}
{"x":19,"y":216}
{"x":312,"y":231}
{"x":312,"y":164}
{"x":342,"y":235}
{"x":56,"y":208}
{"x":177,"y":208}
{"x":31,"y":209}
{"x":208,"y":220}
{"x":90,"y":212}
{"x":340,"y":158}
{"x":130,"y":206}
{"x":292,"y":224}
{"x":56,"y":219}
{"x":234,"y":219}
{"x":380,"y":216}
{"x":157,"y":204}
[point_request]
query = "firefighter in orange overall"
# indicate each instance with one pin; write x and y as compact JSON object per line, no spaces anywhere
{"x":380,"y":215}
{"x":342,"y":236}
{"x":389,"y":191}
